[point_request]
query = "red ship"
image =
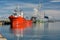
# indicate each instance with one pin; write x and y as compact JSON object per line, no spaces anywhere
{"x":18,"y":21}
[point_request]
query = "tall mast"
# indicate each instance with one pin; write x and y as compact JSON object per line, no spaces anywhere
{"x":39,"y":9}
{"x":18,"y":11}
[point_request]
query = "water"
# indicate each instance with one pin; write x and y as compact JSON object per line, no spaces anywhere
{"x":39,"y":31}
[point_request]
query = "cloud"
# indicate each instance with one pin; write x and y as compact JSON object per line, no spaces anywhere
{"x":52,"y":5}
{"x":24,"y":6}
{"x":8,"y":8}
{"x":21,"y":5}
{"x":54,"y":13}
{"x":55,"y":1}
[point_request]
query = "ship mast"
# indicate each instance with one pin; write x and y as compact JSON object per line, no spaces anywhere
{"x":37,"y":10}
{"x":18,"y":11}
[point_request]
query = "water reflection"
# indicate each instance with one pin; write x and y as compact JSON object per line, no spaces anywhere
{"x":35,"y":32}
{"x":41,"y":28}
{"x":38,"y":31}
{"x":46,"y":26}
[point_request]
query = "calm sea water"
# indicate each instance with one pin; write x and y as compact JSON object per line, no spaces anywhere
{"x":39,"y":31}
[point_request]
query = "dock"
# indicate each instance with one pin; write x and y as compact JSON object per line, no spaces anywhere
{"x":4,"y":21}
{"x":2,"y":37}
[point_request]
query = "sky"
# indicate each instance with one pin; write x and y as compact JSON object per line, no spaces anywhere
{"x":51,"y":7}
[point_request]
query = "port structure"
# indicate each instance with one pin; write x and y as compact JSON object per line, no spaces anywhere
{"x":4,"y":21}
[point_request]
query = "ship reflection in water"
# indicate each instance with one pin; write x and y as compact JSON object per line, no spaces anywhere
{"x":38,"y":31}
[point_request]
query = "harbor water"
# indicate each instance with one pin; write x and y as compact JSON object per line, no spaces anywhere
{"x":38,"y":31}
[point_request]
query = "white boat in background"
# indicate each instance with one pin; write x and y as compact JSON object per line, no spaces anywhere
{"x":38,"y":16}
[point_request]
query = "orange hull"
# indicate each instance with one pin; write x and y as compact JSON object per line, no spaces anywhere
{"x":19,"y":22}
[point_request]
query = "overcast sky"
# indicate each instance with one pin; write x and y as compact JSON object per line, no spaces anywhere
{"x":51,"y":7}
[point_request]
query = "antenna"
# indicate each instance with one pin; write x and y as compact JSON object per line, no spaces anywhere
{"x":39,"y":6}
{"x":44,"y":13}
{"x":17,"y":7}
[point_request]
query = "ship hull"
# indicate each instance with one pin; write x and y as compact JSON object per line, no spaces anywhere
{"x":19,"y":22}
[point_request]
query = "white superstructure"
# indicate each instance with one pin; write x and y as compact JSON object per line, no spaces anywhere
{"x":18,"y":12}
